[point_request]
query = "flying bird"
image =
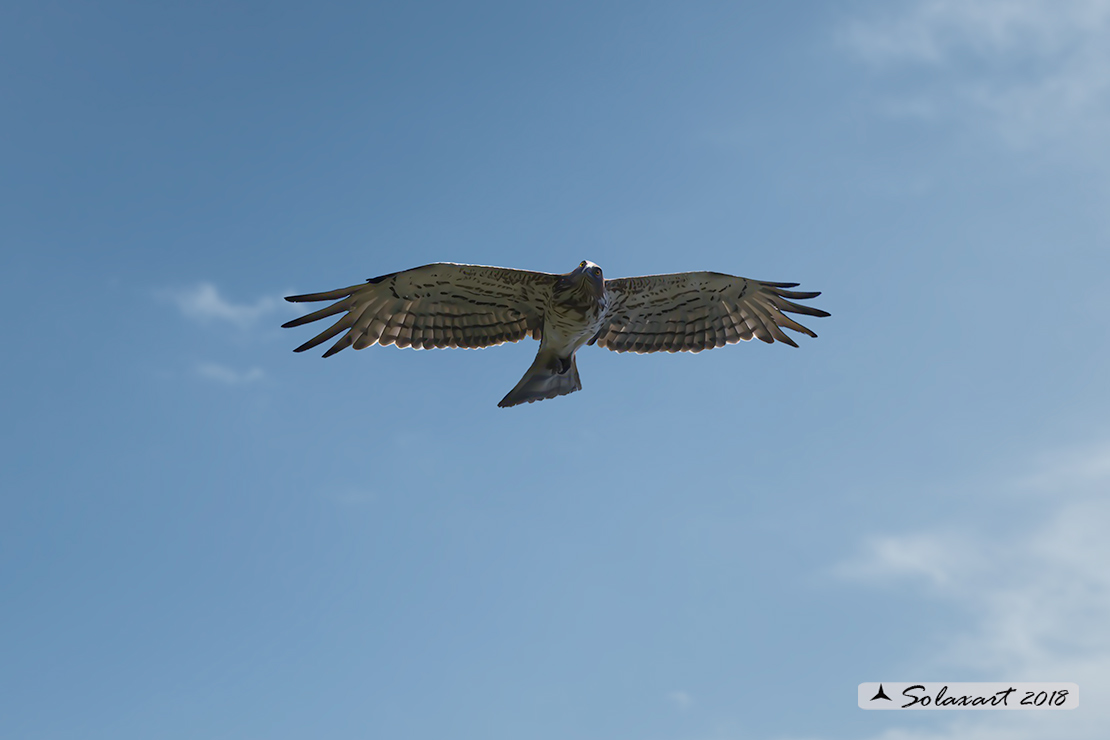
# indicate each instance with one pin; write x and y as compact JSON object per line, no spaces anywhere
{"x":470,"y":306}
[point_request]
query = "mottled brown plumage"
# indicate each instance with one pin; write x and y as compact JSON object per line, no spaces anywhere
{"x":470,"y":306}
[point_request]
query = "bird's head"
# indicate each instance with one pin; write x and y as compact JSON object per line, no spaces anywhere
{"x":583,"y":285}
{"x":591,"y":273}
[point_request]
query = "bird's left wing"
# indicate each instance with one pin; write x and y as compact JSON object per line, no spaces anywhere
{"x":438,"y":305}
{"x":692,"y":311}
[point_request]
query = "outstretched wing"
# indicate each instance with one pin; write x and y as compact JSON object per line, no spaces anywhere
{"x":692,"y":311}
{"x":438,"y":305}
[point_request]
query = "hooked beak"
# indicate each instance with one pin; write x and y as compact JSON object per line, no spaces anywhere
{"x":583,"y":281}
{"x":596,"y":282}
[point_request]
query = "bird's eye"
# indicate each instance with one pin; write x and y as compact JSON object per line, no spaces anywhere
{"x":597,"y":271}
{"x":583,"y":263}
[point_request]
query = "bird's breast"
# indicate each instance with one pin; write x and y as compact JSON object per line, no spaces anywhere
{"x":571,"y":322}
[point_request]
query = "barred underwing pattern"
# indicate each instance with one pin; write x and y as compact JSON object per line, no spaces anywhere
{"x":471,"y":306}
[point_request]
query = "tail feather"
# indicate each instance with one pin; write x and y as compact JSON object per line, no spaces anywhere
{"x":544,"y":380}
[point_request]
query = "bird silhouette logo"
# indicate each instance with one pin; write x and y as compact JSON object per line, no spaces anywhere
{"x":881,"y":695}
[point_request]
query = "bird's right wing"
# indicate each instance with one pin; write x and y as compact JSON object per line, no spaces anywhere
{"x":692,"y":311}
{"x":438,"y":305}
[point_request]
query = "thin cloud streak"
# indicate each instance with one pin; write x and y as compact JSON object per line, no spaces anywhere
{"x":1086,"y":469}
{"x":229,"y":376}
{"x":939,"y":32}
{"x":681,"y":699}
{"x":203,"y":303}
{"x":1031,"y":71}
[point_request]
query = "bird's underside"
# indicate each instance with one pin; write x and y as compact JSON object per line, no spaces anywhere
{"x":472,"y":306}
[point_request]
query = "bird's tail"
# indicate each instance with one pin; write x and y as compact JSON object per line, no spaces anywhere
{"x":548,"y":377}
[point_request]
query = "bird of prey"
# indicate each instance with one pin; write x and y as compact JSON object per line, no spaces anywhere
{"x":454,"y":305}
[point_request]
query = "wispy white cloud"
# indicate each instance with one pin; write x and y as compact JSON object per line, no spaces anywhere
{"x":1070,"y":471}
{"x":1036,"y":600}
{"x":228,"y":376}
{"x":681,"y":699}
{"x":932,"y":558}
{"x":941,"y":31}
{"x":204,"y":303}
{"x":1033,"y":71}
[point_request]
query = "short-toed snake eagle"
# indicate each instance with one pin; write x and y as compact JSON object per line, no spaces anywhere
{"x":452,"y":305}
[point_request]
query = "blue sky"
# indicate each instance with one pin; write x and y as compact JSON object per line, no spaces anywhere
{"x":205,"y":535}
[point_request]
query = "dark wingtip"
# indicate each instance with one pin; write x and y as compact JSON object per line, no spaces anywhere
{"x":343,"y":343}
